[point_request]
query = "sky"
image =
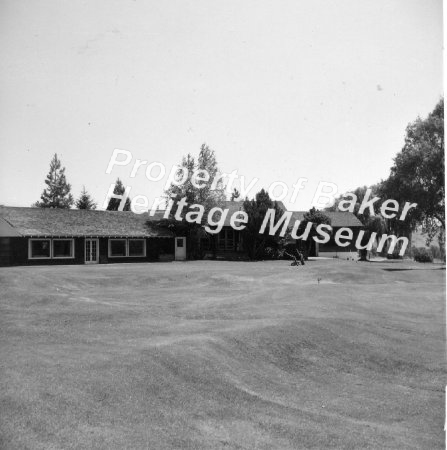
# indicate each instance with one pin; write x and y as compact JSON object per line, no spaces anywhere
{"x":280,"y":90}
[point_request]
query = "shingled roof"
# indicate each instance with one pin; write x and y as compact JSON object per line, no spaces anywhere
{"x":20,"y":221}
{"x":77,"y":222}
{"x":338,"y":218}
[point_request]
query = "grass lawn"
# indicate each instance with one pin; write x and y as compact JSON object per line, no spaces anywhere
{"x":221,"y":355}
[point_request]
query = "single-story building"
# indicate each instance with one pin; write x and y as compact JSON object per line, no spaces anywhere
{"x":339,"y":219}
{"x":71,"y":236}
{"x":228,"y":243}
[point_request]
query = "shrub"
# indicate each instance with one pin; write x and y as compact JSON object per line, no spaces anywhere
{"x":423,"y":255}
{"x":290,"y":249}
{"x":394,"y":255}
{"x":272,"y":253}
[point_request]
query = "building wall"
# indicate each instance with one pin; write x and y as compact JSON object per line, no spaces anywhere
{"x":14,"y":252}
{"x":334,"y":250}
{"x":18,"y":251}
{"x":222,"y":246}
{"x":331,"y":248}
{"x":157,"y":249}
{"x":5,"y":251}
{"x":341,"y":255}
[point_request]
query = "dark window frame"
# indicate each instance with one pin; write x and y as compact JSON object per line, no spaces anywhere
{"x":30,"y":247}
{"x":71,"y":248}
{"x":126,"y":248}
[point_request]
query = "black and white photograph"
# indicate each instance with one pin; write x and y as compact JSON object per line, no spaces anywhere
{"x":222,"y":225}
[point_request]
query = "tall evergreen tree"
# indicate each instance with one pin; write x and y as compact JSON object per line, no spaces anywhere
{"x":85,"y":200}
{"x":205,"y":196}
{"x":255,"y":242}
{"x":114,"y":203}
{"x":315,"y":217}
{"x":57,"y":193}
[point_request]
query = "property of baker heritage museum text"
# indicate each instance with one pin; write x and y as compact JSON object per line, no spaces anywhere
{"x":218,"y":216}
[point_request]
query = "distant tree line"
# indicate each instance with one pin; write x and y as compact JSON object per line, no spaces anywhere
{"x":57,"y":193}
{"x":416,"y":175}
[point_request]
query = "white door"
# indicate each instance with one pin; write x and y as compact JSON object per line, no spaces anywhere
{"x":180,"y":248}
{"x":91,"y":251}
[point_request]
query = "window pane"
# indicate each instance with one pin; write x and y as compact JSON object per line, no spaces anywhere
{"x":205,"y":243}
{"x":221,"y":240}
{"x":40,"y":249}
{"x":62,"y":249}
{"x":179,"y":243}
{"x":118,"y":247}
{"x":136,"y":247}
{"x":230,"y":239}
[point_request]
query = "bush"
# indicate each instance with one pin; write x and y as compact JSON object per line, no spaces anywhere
{"x":291,"y":250}
{"x":394,"y":255}
{"x":423,"y":255}
{"x":272,"y":253}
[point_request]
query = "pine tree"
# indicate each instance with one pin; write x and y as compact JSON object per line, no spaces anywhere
{"x":255,"y":242}
{"x":57,"y":193}
{"x":85,"y":201}
{"x":205,"y":196}
{"x":114,"y":203}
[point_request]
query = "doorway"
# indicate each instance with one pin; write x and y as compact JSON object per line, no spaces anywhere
{"x":91,"y":251}
{"x":180,"y":248}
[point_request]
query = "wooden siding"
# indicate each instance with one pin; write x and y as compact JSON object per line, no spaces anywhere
{"x":14,"y":252}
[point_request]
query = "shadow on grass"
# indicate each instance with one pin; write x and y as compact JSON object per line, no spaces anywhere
{"x":413,"y":268}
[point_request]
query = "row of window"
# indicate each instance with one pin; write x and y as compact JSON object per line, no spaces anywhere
{"x":127,"y":247}
{"x":50,"y":248}
{"x":226,"y":239}
{"x":64,"y":248}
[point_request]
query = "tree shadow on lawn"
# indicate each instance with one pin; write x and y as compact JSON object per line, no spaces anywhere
{"x":413,"y":268}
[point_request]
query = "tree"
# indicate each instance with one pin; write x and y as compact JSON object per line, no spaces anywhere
{"x":372,"y":224}
{"x":85,"y":200}
{"x":256,"y":209}
{"x":57,"y":193}
{"x":235,"y":195}
{"x":210,"y":194}
{"x":418,"y":173}
{"x":316,"y":217}
{"x":192,"y":194}
{"x":206,"y":196}
{"x":441,"y":242}
{"x":114,"y":203}
{"x":360,"y":193}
